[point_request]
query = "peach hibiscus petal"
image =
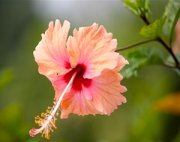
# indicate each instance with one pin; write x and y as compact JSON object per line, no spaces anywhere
{"x":51,"y":53}
{"x":95,"y":47}
{"x":75,"y":102}
{"x":102,"y":97}
{"x":78,"y":103}
{"x":121,"y":63}
{"x":108,"y":92}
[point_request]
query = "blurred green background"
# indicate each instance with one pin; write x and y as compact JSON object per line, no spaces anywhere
{"x":24,"y":93}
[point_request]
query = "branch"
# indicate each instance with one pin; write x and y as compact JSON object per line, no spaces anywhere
{"x":170,"y":51}
{"x":144,"y":18}
{"x":135,"y":44}
{"x":159,"y":39}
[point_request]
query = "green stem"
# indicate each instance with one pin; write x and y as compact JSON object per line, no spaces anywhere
{"x":135,"y":44}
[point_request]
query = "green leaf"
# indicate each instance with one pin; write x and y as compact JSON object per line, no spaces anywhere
{"x":138,"y":7}
{"x":140,"y":58}
{"x":171,"y":15}
{"x":5,"y":77}
{"x":153,"y":30}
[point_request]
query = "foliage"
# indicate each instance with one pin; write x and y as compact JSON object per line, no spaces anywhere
{"x":153,"y":30}
{"x":145,"y":56}
{"x":171,"y":15}
{"x":160,"y":27}
{"x":138,"y":7}
{"x":165,"y":24}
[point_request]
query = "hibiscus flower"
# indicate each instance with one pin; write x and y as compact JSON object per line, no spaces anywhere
{"x":84,"y":71}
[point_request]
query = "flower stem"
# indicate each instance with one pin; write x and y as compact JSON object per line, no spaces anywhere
{"x":135,"y":44}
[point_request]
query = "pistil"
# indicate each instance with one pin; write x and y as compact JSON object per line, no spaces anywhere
{"x":48,"y":119}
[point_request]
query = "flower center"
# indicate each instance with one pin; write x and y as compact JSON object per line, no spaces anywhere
{"x":79,"y":80}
